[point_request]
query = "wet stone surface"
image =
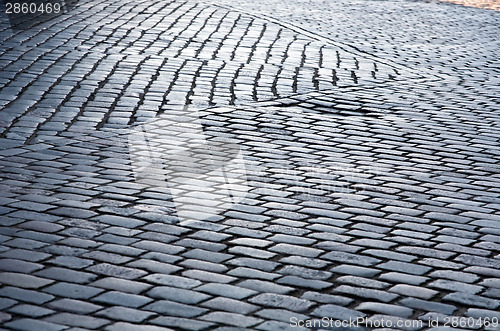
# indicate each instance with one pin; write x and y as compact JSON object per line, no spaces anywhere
{"x":206,"y":165}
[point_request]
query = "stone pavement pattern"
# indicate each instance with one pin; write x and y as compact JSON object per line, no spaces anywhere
{"x":371,"y":153}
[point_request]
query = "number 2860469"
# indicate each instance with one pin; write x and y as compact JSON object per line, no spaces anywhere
{"x":32,"y":8}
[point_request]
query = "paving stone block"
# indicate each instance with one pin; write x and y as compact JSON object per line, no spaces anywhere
{"x":121,"y":285}
{"x":106,"y":257}
{"x":25,"y":295}
{"x":118,"y":241}
{"x":327,"y":298}
{"x":305,"y":272}
{"x":202,"y":244}
{"x":386,"y":309}
{"x":73,"y":212}
{"x":210,"y":235}
{"x":441,"y":264}
{"x":337,"y":312}
{"x":252,"y":273}
{"x":158,"y":247}
{"x":397,"y":277}
{"x":79,"y":242}
{"x":366,"y":293}
{"x":412,"y":269}
{"x":361,"y":282}
{"x":226,"y":290}
{"x":390,"y":255}
{"x":434,"y":253}
{"x":303,"y":282}
{"x":232,"y":319}
{"x":471,"y":299}
{"x":280,"y":315}
{"x":124,"y":326}
{"x":413,"y":291}
{"x":265,"y":286}
{"x":66,"y":275}
{"x":326,"y":213}
{"x":22,"y":280}
{"x":170,"y":308}
{"x":41,"y":226}
{"x":25,"y":255}
{"x":490,"y":272}
{"x":178,"y":295}
{"x":288,"y":239}
{"x":208,"y":266}
{"x":87,"y":322}
{"x":207,"y":256}
{"x":125,"y":314}
{"x":73,"y":291}
{"x":153,"y":266}
{"x":296,"y":250}
{"x":161,"y":257}
{"x":428,"y":306}
{"x":126,"y":222}
{"x":451,"y":285}
{"x":208,"y":276}
{"x":281,"y":301}
{"x":120,"y":249}
{"x":230,"y":305}
{"x":275,"y":325}
{"x":31,"y":311}
{"x":305,"y":261}
{"x":64,"y":250}
{"x":354,"y":270}
{"x":4,"y":317}
{"x":254,"y":263}
{"x":121,"y":299}
{"x":71,"y":262}
{"x":343,"y":257}
{"x":116,"y":271}
{"x":252,"y":252}
{"x":74,"y":306}
{"x":482,"y":313}
{"x":171,"y":280}
{"x":478,"y":261}
{"x":32,"y":324}
{"x":19,"y":266}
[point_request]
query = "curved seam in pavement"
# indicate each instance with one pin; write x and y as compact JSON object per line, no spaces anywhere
{"x":345,"y":47}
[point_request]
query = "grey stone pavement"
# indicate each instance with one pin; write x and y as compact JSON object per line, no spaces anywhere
{"x":360,"y":142}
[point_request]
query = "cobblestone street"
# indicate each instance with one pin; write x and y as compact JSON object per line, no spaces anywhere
{"x":234,"y":165}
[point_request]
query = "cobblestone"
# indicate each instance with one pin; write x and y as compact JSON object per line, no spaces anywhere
{"x":385,"y":309}
{"x":31,"y":311}
{"x":337,"y":312}
{"x":370,"y":152}
{"x":122,"y":299}
{"x":265,"y":286}
{"x":24,"y":281}
{"x":31,"y":324}
{"x":429,"y":306}
{"x":126,"y":314}
{"x":281,"y":301}
{"x":86,"y":322}
{"x":165,"y":307}
{"x":232,"y":319}
{"x":74,"y":306}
